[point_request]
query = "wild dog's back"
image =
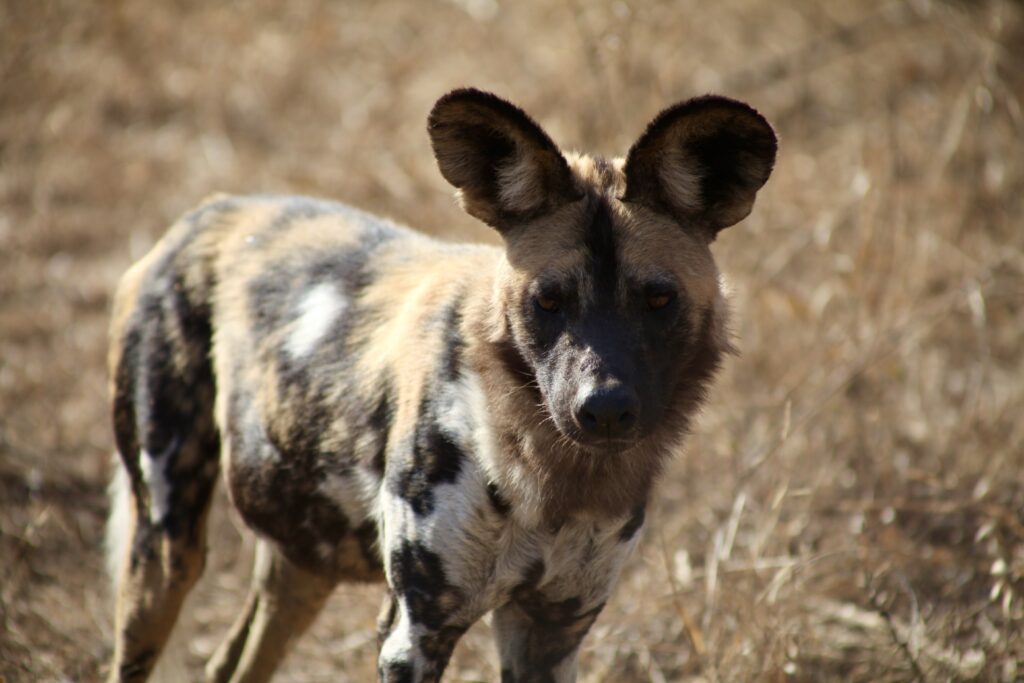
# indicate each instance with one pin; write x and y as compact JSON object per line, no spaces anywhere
{"x":289,"y":318}
{"x":324,"y":319}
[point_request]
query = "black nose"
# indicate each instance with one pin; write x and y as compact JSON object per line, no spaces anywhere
{"x":608,"y":412}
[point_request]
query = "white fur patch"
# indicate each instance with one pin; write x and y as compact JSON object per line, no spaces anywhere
{"x":153,"y":471}
{"x":466,"y":416}
{"x":318,"y":310}
{"x":399,"y":645}
{"x":474,"y":413}
{"x":119,"y":522}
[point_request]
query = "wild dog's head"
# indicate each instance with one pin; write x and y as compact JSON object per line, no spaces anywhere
{"x":609,"y":295}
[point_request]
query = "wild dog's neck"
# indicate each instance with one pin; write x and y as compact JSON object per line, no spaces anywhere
{"x":533,"y":464}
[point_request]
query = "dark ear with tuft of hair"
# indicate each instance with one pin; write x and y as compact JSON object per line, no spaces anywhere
{"x":702,"y":162}
{"x":504,"y":165}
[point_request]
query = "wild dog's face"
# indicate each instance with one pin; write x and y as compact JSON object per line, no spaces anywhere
{"x":608,"y":287}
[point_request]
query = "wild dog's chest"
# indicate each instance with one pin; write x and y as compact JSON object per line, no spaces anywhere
{"x":572,"y":568}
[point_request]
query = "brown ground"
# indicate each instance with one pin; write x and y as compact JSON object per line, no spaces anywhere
{"x":852,"y":507}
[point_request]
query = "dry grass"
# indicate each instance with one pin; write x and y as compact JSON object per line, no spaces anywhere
{"x":852,"y":507}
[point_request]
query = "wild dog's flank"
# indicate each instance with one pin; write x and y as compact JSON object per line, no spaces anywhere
{"x":479,"y":426}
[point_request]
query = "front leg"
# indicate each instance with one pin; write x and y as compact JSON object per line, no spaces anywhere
{"x":418,"y":625}
{"x":540,"y":628}
{"x":538,"y":641}
{"x":439,"y":534}
{"x":426,"y":551}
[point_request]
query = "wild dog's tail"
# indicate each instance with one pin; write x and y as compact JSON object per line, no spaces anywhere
{"x":119,"y":522}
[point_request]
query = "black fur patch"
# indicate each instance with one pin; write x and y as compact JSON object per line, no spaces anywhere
{"x":379,"y":423}
{"x":396,"y":672}
{"x":728,"y":159}
{"x":206,"y":214}
{"x":290,"y":510}
{"x":436,"y":459}
{"x":298,"y":209}
{"x":277,"y":491}
{"x":599,"y":241}
{"x":418,"y":578}
{"x":636,"y":520}
{"x":694,"y":375}
{"x":539,"y":608}
{"x":450,"y":361}
{"x":194,"y":478}
{"x":557,"y":627}
{"x":498,"y":502}
{"x":436,"y":647}
{"x":366,"y":534}
{"x":163,"y":396}
{"x":513,"y":362}
{"x":144,"y":544}
{"x":174,"y":376}
{"x":139,"y":667}
{"x":273,"y":297}
{"x":126,"y":433}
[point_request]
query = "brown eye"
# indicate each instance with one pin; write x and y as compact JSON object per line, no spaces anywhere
{"x":658,"y":301}
{"x":547,"y":303}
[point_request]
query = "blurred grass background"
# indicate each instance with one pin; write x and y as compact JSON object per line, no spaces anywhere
{"x":852,"y":504}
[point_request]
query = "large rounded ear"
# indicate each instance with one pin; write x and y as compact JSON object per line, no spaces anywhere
{"x":506,"y":168}
{"x":702,"y":161}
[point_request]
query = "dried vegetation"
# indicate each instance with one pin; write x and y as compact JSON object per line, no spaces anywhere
{"x":852,"y":505}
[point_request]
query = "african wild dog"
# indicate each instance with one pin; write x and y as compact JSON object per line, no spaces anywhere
{"x":480,"y":426}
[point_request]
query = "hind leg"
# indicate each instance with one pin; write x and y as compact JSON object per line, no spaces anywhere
{"x":160,"y":556}
{"x":162,"y":407}
{"x":283,"y":602}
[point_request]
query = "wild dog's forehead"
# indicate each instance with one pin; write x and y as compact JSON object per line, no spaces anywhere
{"x":597,"y":174}
{"x":601,"y":238}
{"x":565,"y":241}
